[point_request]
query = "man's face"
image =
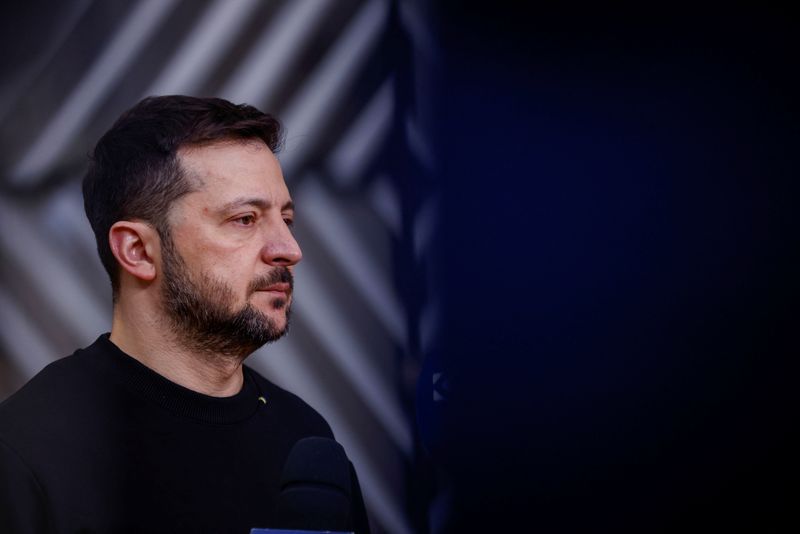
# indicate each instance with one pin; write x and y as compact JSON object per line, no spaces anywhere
{"x":228,"y":256}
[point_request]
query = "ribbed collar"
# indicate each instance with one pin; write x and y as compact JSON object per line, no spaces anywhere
{"x":181,"y":401}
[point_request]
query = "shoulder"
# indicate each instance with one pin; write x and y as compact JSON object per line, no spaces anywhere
{"x":43,"y":389}
{"x":290,"y":406}
{"x":49,"y":398}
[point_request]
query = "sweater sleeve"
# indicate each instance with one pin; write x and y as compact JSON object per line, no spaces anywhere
{"x":22,"y":501}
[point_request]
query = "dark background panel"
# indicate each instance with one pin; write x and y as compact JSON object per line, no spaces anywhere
{"x":619,"y":268}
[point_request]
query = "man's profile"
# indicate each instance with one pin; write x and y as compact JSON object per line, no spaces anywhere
{"x":158,"y":426}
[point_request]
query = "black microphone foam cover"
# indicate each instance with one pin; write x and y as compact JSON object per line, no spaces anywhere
{"x":315,"y":487}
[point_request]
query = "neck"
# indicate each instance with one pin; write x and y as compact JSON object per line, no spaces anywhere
{"x":147,"y":338}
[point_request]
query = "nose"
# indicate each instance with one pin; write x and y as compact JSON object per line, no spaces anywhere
{"x":281,"y":248}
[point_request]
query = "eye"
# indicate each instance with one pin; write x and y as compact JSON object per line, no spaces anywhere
{"x":289,"y":222}
{"x":245,"y":220}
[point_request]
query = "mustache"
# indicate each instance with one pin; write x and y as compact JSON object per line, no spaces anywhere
{"x":281,"y":275}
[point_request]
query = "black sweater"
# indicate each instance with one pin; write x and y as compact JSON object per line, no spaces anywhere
{"x":98,"y":442}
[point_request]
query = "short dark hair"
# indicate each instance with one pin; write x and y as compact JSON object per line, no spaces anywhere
{"x":134,"y":171}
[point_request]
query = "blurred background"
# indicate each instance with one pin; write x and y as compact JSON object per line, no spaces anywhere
{"x":549,"y":277}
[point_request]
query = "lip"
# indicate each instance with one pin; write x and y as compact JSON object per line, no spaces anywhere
{"x":282,"y":288}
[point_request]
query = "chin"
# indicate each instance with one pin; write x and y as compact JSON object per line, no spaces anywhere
{"x":278,"y":317}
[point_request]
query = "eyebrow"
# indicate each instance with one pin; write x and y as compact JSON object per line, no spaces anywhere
{"x":253,"y":201}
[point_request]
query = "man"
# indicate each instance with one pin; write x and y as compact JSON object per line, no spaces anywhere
{"x":158,"y":426}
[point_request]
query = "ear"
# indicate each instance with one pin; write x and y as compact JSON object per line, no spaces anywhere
{"x":133,"y":244}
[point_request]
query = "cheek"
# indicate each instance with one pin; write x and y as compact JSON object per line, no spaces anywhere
{"x":223,"y":258}
{"x":227,"y":269}
{"x":220,"y":255}
{"x":234,"y":273}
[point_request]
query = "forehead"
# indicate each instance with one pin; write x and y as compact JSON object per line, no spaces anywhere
{"x":230,"y":169}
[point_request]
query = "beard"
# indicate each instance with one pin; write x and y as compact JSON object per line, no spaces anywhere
{"x":202,"y":310}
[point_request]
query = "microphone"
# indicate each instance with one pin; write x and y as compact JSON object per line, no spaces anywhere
{"x":315,"y":489}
